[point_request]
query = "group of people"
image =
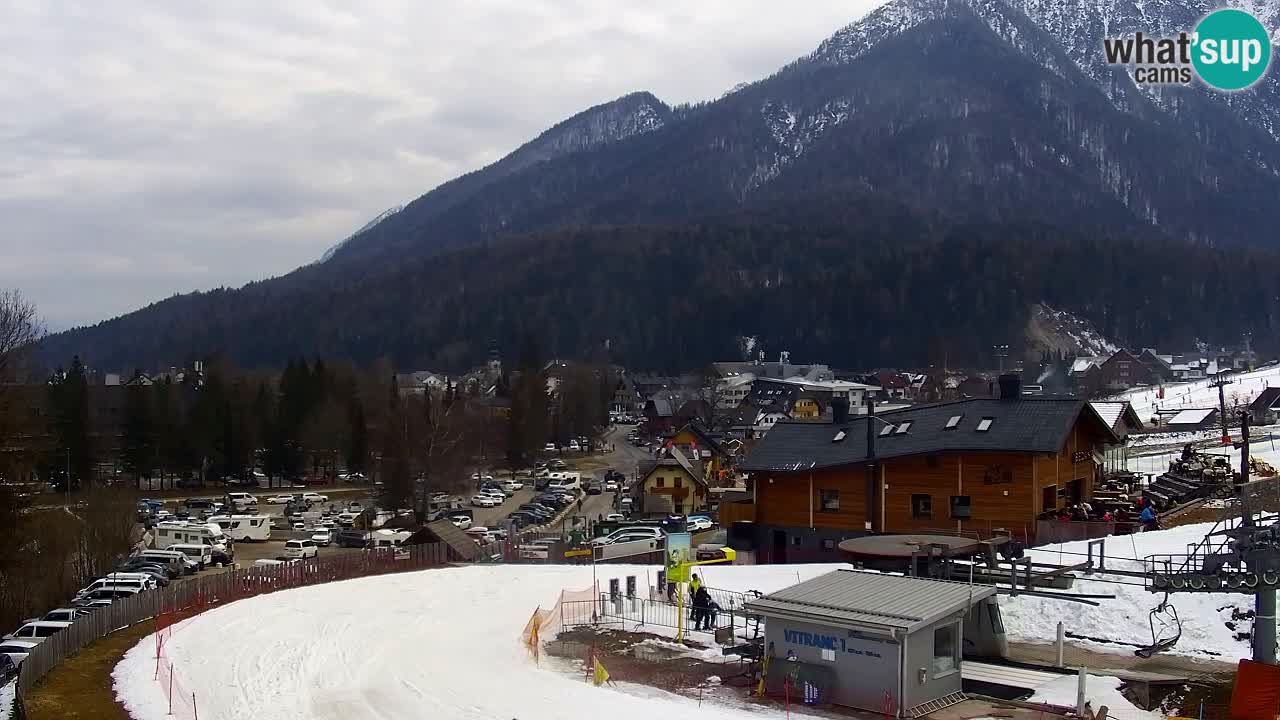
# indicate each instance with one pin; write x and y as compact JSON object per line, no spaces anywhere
{"x":1144,"y":511}
{"x":704,"y":609}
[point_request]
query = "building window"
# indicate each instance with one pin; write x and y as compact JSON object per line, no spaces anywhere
{"x":886,"y":430}
{"x":954,"y":421}
{"x":829,"y":500}
{"x":903,"y":428}
{"x":662,"y":482}
{"x":679,"y":482}
{"x":960,"y":507}
{"x":946,"y":651}
{"x":985,"y":424}
{"x":921,"y":506}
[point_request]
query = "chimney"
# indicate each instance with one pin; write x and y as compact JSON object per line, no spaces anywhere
{"x":1010,"y":386}
{"x":871,"y":429}
{"x":839,"y":411}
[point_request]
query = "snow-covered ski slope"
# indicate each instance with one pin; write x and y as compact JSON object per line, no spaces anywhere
{"x":1243,"y":389}
{"x":445,"y":643}
{"x":1205,"y":634}
{"x":439,"y":644}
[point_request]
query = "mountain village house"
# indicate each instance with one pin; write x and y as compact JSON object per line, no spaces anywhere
{"x":981,"y":466}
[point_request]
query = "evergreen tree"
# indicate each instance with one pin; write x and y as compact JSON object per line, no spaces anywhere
{"x":357,"y":451}
{"x":139,"y":449}
{"x":69,"y":399}
{"x":397,"y":482}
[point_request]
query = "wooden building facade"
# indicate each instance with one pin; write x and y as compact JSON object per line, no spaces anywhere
{"x":942,"y":473}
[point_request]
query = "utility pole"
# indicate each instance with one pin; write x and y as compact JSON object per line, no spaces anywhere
{"x":1221,"y":382}
{"x":1264,"y":618}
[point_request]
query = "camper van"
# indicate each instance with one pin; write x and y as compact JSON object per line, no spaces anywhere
{"x":388,"y":538}
{"x":175,"y":533}
{"x":202,"y":554}
{"x":243,"y":528}
{"x":171,"y":558}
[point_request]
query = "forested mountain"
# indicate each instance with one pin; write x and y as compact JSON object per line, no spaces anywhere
{"x":908,"y":189}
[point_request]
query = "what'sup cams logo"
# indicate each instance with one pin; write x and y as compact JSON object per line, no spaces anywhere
{"x":1228,"y":50}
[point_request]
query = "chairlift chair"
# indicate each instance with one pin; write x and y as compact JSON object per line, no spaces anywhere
{"x":1170,"y":629}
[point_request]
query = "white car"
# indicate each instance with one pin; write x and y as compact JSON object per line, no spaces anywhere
{"x":321,"y":537}
{"x":627,"y":534}
{"x":483,"y":501}
{"x":480,"y":534}
{"x":301,"y":549}
{"x":482,"y":477}
{"x":510,"y":486}
{"x":17,"y":650}
{"x":611,"y":486}
{"x":37,"y":631}
{"x":699,"y":524}
{"x":312,"y":497}
{"x":574,"y":446}
{"x":279,"y":499}
{"x":549,"y":447}
{"x":461,"y":521}
{"x":355,"y":507}
{"x":497,"y":497}
{"x":615,"y":517}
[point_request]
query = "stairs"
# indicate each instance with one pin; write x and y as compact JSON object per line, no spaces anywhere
{"x":932,"y":706}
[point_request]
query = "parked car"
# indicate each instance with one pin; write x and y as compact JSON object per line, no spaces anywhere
{"x":574,"y":446}
{"x":352,"y":538}
{"x":104,"y":597}
{"x":611,"y":486}
{"x":300,"y":549}
{"x":322,"y":537}
{"x":698,"y":523}
{"x":242,"y":499}
{"x":17,"y":650}
{"x":480,"y":534}
{"x":198,"y":503}
{"x":279,"y":499}
{"x":628,"y":534}
{"x":461,"y":521}
{"x":549,"y":447}
{"x":615,"y":517}
{"x":37,"y":631}
{"x":482,"y":501}
{"x":355,"y":507}
{"x":65,"y":615}
{"x":595,"y":488}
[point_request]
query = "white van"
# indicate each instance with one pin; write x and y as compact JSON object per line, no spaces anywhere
{"x":242,"y":500}
{"x":566,"y":481}
{"x":170,"y":558}
{"x":37,"y":631}
{"x":169,"y":534}
{"x":200,"y":553}
{"x":388,"y":538}
{"x":114,"y":583}
{"x":243,"y":528}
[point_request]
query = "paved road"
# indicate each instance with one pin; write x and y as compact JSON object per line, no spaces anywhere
{"x":623,"y":458}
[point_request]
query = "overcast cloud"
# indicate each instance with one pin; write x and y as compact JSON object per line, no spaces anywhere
{"x":154,"y":148}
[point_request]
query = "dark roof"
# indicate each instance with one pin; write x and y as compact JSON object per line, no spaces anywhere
{"x":1029,"y":424}
{"x":850,"y":598}
{"x":696,"y":428}
{"x":461,"y":546}
{"x":1266,"y":399}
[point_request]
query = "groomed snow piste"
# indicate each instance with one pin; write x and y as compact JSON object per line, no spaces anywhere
{"x":445,"y":643}
{"x":438,"y":643}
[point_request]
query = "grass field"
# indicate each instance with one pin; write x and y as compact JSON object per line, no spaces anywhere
{"x":81,"y":687}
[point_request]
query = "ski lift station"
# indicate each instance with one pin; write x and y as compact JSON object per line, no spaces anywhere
{"x":884,"y":643}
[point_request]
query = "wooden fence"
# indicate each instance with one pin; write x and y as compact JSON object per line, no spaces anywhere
{"x":190,"y":597}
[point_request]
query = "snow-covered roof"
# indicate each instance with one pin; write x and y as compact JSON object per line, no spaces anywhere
{"x":1191,"y":417}
{"x":1082,"y":364}
{"x":1109,"y":411}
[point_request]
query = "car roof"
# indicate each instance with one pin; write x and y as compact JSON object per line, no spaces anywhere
{"x":19,"y":643}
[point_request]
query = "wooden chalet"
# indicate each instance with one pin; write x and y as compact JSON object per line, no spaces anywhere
{"x":978,"y":466}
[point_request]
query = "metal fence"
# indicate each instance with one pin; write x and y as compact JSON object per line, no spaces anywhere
{"x":191,"y":597}
{"x":640,"y":612}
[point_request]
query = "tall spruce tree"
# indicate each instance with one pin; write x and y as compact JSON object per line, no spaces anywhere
{"x":138,"y":451}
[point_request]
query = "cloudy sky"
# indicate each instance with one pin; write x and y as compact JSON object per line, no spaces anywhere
{"x":149,"y":148}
